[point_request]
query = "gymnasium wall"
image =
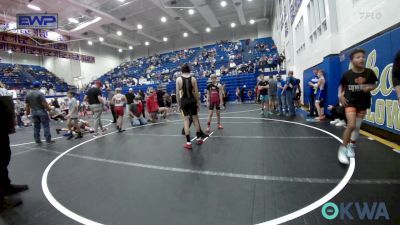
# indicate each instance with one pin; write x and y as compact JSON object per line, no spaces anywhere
{"x":381,"y":49}
{"x":348,"y":22}
{"x":106,"y":59}
{"x":20,"y":58}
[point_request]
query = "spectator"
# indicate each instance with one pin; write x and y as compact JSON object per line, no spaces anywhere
{"x":338,"y":115}
{"x":26,"y":121}
{"x":242,"y":93}
{"x":119,"y":101}
{"x":55,"y":103}
{"x":7,"y":124}
{"x":288,"y":90}
{"x":282,"y":107}
{"x":19,"y":111}
{"x":56,"y":114}
{"x":153,"y":108}
{"x":37,"y":106}
{"x":237,"y":93}
{"x":72,"y":117}
{"x":281,"y":61}
{"x":297,"y":93}
{"x":110,"y":95}
{"x":270,"y":62}
{"x":130,"y":96}
{"x":272,"y":92}
{"x":96,"y":104}
{"x":136,"y":111}
{"x":313,"y":92}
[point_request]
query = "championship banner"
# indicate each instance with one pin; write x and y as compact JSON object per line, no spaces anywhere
{"x":25,"y":40}
{"x":45,"y":52}
{"x":20,"y":40}
{"x":294,"y":8}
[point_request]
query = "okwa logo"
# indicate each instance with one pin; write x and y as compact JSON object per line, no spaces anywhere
{"x":355,"y":210}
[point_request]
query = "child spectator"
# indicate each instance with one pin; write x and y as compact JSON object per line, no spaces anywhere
{"x":153,"y":108}
{"x":136,"y":111}
{"x":26,"y":121}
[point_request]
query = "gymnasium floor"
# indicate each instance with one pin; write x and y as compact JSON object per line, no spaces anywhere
{"x":255,"y":170}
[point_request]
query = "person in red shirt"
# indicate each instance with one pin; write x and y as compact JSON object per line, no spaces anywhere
{"x":136,"y":111}
{"x":153,"y":108}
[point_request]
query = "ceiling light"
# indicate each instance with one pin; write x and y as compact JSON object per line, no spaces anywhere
{"x":163,"y":19}
{"x":185,"y":34}
{"x":130,"y":47}
{"x":101,"y":39}
{"x":73,"y":20}
{"x":83,"y":25}
{"x":191,"y":11}
{"x":223,"y":3}
{"x":252,"y":21}
{"x":119,"y":50}
{"x":147,"y":43}
{"x":34,"y":7}
{"x":233,"y":25}
{"x":208,"y":30}
{"x":139,"y":26}
{"x":90,"y":43}
{"x":121,"y":0}
{"x":119,"y":33}
{"x":165,"y":39}
{"x":249,"y":0}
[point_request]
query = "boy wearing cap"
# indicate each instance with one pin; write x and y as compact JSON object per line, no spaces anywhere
{"x":37,"y":106}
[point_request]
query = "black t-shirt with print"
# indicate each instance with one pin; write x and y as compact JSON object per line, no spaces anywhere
{"x":93,"y":94}
{"x":263,"y":83}
{"x":353,"y":84}
{"x":396,"y":70}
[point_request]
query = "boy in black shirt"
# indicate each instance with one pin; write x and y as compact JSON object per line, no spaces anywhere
{"x":96,"y":104}
{"x":354,"y":95}
{"x":263,"y":86}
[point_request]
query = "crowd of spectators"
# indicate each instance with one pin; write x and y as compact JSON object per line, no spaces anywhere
{"x":20,"y":78}
{"x":223,"y":58}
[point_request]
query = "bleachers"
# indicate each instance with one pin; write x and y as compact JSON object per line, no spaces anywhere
{"x":160,"y":69}
{"x":17,"y":76}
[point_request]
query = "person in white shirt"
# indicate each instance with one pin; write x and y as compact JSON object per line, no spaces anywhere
{"x":119,"y":101}
{"x":26,"y":121}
